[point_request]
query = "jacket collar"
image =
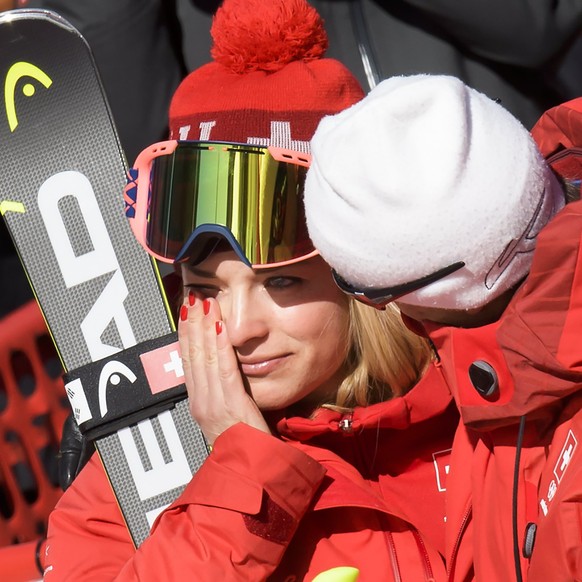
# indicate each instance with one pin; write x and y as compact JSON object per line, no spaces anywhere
{"x":429,"y":398}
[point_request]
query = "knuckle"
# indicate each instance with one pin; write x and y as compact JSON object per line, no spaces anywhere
{"x":226,"y":374}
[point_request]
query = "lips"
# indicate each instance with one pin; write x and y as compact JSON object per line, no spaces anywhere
{"x":257,"y":368}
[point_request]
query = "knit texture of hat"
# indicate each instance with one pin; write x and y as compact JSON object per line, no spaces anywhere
{"x":422,"y":173}
{"x":268,"y":83}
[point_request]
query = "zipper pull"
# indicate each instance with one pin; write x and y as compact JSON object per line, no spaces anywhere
{"x":346,"y":424}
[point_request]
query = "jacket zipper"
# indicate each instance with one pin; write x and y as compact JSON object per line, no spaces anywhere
{"x":345,"y":424}
{"x":393,"y":557}
{"x":464,"y":522}
{"x":428,"y":574}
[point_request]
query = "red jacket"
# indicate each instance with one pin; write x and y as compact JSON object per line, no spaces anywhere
{"x":538,"y":340}
{"x":539,"y":337}
{"x":370,"y":495}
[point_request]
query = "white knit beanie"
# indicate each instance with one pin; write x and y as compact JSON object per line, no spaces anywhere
{"x":422,"y":173}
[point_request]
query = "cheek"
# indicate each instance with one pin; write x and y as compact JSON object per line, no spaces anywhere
{"x":323,"y":327}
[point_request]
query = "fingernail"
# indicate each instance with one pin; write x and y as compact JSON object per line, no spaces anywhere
{"x":183,"y":313}
{"x":218,"y":326}
{"x":206,"y":306}
{"x":191,"y":298}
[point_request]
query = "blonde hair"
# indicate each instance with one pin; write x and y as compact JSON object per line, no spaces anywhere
{"x":385,"y":359}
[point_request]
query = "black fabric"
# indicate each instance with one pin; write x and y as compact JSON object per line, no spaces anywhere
{"x":518,"y":51}
{"x":14,"y":287}
{"x":137,"y":46}
{"x":74,"y":452}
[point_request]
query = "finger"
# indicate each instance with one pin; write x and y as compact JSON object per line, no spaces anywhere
{"x":228,"y":367}
{"x":184,"y":330}
{"x":192,"y":346}
{"x":227,"y":392}
{"x":211,"y":360}
{"x":244,"y":407}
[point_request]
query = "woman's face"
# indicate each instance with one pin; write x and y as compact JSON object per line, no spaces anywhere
{"x":288,"y":325}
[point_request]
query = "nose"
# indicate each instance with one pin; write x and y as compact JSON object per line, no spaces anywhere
{"x":246,"y":317}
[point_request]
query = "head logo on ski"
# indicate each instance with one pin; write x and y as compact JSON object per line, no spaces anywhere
{"x":18,"y":71}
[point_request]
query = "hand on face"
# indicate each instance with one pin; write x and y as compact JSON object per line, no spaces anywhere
{"x":216,"y":391}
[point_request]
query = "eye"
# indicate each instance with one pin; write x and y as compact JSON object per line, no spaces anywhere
{"x":282,"y":282}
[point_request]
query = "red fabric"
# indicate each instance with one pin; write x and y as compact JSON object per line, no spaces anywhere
{"x":537,"y":338}
{"x":347,"y":496}
{"x":253,"y":35}
{"x":239,"y":108}
{"x":558,"y":130}
{"x":534,"y":350}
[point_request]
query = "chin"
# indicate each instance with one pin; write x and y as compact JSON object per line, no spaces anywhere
{"x":269,"y":398}
{"x":266,"y":398}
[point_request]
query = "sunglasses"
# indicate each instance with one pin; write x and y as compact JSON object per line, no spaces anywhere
{"x":380,"y":297}
{"x":182,"y":196}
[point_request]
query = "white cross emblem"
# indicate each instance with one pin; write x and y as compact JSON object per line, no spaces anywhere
{"x":175,"y":364}
{"x":566,"y":455}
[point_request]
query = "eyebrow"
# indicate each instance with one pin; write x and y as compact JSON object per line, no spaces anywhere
{"x":198,"y":272}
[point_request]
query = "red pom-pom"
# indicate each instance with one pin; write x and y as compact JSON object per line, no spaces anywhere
{"x":266,"y":35}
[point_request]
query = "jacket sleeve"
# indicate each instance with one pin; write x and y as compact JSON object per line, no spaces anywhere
{"x":525,"y":33}
{"x":233,"y":520}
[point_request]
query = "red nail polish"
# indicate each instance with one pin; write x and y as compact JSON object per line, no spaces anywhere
{"x":191,"y":298}
{"x":218,"y":326}
{"x":206,"y":306}
{"x":183,"y":313}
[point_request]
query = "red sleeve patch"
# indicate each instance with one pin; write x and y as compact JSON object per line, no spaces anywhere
{"x":272,"y":522}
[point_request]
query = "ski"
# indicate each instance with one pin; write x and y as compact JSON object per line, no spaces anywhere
{"x":62,"y":177}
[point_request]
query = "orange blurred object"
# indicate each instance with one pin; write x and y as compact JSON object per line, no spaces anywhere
{"x":33,"y":407}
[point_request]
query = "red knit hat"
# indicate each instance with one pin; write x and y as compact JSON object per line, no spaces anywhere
{"x":268,"y":83}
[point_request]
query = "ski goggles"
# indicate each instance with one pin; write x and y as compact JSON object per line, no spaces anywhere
{"x":183,"y":196}
{"x":380,"y":297}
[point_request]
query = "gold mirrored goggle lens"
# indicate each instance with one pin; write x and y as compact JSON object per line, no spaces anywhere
{"x":257,"y":198}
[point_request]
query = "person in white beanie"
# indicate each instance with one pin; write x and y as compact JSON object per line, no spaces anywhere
{"x":429,"y":194}
{"x":423,"y":161}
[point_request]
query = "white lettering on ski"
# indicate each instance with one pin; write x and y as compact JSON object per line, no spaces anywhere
{"x":162,"y":477}
{"x":90,"y":265}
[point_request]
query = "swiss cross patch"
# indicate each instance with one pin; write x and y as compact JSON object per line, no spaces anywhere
{"x":565,"y":457}
{"x":441,"y":460}
{"x":560,"y":468}
{"x":163,"y":367}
